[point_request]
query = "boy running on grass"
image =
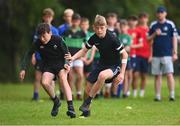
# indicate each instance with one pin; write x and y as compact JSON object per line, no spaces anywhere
{"x":52,"y":50}
{"x":110,"y":49}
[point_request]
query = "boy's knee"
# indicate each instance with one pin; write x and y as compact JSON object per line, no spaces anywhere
{"x":102,"y":76}
{"x":44,"y":83}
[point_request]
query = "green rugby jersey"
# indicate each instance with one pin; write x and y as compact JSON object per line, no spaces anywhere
{"x":74,"y":40}
{"x":126,"y":40}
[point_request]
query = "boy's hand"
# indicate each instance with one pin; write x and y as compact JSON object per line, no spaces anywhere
{"x":118,"y":79}
{"x":67,"y":67}
{"x":68,"y":57}
{"x":174,"y":57}
{"x":33,"y":60}
{"x":158,"y":31}
{"x":22,"y":75}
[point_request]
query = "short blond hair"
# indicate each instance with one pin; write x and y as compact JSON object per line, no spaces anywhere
{"x":100,"y":21}
{"x":48,"y":11}
{"x":68,"y":10}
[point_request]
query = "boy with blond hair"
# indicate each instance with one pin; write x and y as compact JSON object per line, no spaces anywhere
{"x":110,"y":49}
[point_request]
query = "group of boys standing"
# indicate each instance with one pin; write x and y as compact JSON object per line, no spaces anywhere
{"x":101,"y":64}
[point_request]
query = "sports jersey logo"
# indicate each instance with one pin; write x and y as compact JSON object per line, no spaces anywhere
{"x":69,"y":36}
{"x":165,"y":28}
{"x":96,"y":44}
{"x":55,"y":46}
{"x":41,"y":47}
{"x":124,"y":41}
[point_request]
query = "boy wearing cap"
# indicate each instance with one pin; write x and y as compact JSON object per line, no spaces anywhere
{"x":163,"y":33}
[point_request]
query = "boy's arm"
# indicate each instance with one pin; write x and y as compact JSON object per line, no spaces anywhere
{"x":120,"y":77}
{"x":26,"y":61}
{"x":93,"y":51}
{"x":80,"y":53}
{"x":175,"y":55}
{"x":27,"y":58}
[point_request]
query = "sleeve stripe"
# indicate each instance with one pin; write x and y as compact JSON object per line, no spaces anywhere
{"x":119,"y":47}
{"x":88,"y":45}
{"x":122,"y":50}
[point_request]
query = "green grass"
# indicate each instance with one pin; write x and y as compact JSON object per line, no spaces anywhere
{"x":16,"y":107}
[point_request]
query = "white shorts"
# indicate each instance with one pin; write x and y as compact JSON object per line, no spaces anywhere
{"x":77,"y":63}
{"x":162,"y":65}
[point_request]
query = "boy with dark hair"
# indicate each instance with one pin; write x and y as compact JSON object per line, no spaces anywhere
{"x":52,"y":50}
{"x":126,"y":40}
{"x":110,"y":48}
{"x":75,"y":37}
{"x":142,"y":54}
{"x":136,"y":43}
{"x":47,"y":17}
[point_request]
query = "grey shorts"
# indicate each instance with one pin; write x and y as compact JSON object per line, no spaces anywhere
{"x":162,"y":65}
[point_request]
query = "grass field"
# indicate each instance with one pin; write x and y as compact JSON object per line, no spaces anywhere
{"x":16,"y":107}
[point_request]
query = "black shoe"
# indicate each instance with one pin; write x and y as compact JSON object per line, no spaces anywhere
{"x":86,"y":114}
{"x":35,"y":99}
{"x":125,"y":96}
{"x":157,"y":100}
{"x":71,"y":113}
{"x":171,"y":99}
{"x":55,"y":108}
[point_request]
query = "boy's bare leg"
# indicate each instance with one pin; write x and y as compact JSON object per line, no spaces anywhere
{"x":47,"y":79}
{"x":37,"y":84}
{"x":46,"y":83}
{"x":67,"y":90}
{"x":79,"y":73}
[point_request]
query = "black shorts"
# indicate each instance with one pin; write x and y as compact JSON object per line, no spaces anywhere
{"x":88,"y":68}
{"x":141,"y":64}
{"x":54,"y":69}
{"x":39,"y":65}
{"x":133,"y":63}
{"x":92,"y":78}
{"x":129,"y":65}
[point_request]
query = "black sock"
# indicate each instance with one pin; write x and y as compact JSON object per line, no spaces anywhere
{"x":55,"y":99}
{"x":70,"y":105}
{"x":88,"y":100}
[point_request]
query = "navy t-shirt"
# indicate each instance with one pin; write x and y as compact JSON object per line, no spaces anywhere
{"x":163,"y":45}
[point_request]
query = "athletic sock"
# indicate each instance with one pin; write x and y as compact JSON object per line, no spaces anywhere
{"x":55,"y":99}
{"x":172,"y":94}
{"x":35,"y":95}
{"x":88,"y":100}
{"x":158,"y":96}
{"x":134,"y":93}
{"x":141,"y":93}
{"x":120,"y":87}
{"x":70,"y":105}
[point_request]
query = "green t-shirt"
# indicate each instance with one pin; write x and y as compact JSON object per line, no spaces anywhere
{"x":74,"y":39}
{"x":126,"y":40}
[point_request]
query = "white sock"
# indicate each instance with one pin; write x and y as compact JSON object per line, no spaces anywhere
{"x":141,"y":93}
{"x":158,"y":96}
{"x":134,"y":93}
{"x":128,"y":93}
{"x":79,"y":92}
{"x":172,"y":94}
